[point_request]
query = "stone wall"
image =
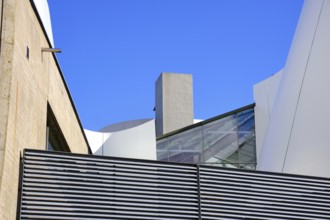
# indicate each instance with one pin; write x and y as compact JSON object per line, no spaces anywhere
{"x":27,"y":86}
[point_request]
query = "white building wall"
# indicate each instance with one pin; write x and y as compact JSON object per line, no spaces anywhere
{"x":134,"y":142}
{"x":96,"y":140}
{"x":309,"y":144}
{"x":264,"y":96}
{"x":297,"y":138}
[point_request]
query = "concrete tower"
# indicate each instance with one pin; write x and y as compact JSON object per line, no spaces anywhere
{"x":174,"y":102}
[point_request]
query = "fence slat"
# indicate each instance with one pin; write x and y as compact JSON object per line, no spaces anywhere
{"x":72,"y":186}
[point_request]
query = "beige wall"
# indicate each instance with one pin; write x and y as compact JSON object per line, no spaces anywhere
{"x":26,"y":86}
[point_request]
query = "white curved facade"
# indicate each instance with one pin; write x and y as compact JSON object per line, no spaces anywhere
{"x":297,"y":138}
{"x":124,"y":125}
{"x":264,"y":95}
{"x":130,"y":139}
{"x":43,"y":11}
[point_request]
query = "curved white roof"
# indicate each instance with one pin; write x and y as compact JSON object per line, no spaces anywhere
{"x":132,"y":139}
{"x":124,"y":125}
{"x":43,"y":11}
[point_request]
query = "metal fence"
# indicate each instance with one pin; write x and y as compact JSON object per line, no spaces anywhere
{"x":71,"y":186}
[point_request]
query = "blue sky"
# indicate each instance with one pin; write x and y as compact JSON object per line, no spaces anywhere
{"x":114,"y":50}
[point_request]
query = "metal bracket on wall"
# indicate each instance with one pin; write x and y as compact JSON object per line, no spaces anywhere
{"x":52,"y":50}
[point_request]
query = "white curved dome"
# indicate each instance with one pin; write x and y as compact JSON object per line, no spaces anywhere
{"x":124,"y":125}
{"x":131,"y":139}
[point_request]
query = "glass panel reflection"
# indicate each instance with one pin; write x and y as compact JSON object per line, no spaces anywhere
{"x":228,"y":142}
{"x":186,"y":146}
{"x":162,"y":152}
{"x":246,"y":139}
{"x":220,"y":141}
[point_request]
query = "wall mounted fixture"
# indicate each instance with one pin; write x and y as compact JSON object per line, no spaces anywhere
{"x":52,"y":50}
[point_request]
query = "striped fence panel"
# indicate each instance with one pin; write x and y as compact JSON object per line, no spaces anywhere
{"x":67,"y":186}
{"x":71,"y":186}
{"x":239,"y":194}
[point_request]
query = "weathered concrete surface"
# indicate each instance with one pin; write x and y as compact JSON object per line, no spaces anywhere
{"x":174,"y":102}
{"x":27,"y":86}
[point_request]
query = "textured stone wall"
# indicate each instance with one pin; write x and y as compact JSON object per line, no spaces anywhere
{"x":26,"y":86}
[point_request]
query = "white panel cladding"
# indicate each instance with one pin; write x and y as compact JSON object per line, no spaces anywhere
{"x":96,"y":140}
{"x":277,"y":138}
{"x":137,"y":141}
{"x":124,"y":125}
{"x":264,"y":95}
{"x":309,"y":146}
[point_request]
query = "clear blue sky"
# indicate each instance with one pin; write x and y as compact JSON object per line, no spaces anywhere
{"x":114,"y":50}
